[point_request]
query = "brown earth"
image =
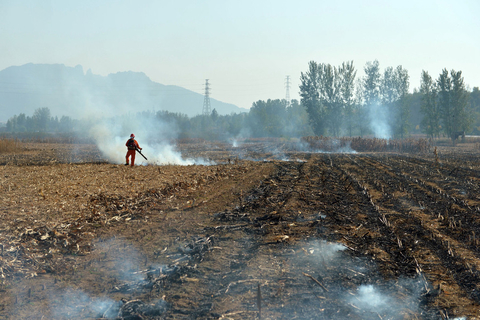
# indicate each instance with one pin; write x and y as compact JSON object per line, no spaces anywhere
{"x":322,"y":236}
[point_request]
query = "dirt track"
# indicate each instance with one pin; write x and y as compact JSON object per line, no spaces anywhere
{"x":330,"y":236}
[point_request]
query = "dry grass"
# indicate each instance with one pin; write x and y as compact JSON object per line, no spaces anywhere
{"x":467,"y":139}
{"x":58,"y":220}
{"x":9,"y":145}
{"x":369,"y":144}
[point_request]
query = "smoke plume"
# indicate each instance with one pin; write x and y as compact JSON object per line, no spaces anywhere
{"x":379,"y":121}
{"x":153,"y":135}
{"x":371,"y":296}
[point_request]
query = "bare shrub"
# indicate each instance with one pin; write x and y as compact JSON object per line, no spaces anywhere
{"x":45,"y":137}
{"x":475,"y":140}
{"x":370,"y":144}
{"x":9,"y":145}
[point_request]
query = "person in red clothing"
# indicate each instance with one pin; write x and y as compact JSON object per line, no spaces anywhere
{"x":132,"y":146}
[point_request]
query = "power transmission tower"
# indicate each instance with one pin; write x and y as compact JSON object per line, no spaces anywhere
{"x":287,"y":94}
{"x":206,"y":100}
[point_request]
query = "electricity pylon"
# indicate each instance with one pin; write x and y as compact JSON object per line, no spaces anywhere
{"x":206,"y":111}
{"x":287,"y":94}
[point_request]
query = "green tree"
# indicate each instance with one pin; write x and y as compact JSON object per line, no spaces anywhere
{"x":326,"y":93}
{"x":214,"y":115}
{"x":402,"y":106}
{"x":54,"y":124}
{"x":310,"y":82}
{"x":65,"y":124}
{"x":41,"y":118}
{"x":330,"y":97}
{"x":267,"y":118}
{"x":474,"y":106}
{"x":21,"y":123}
{"x":296,"y":121}
{"x":453,"y":103}
{"x":360,"y":111}
{"x":371,"y":83}
{"x":348,"y":74}
{"x":387,"y":89}
{"x":10,"y":125}
{"x":376,"y":114}
{"x":444,"y":85}
{"x":236,"y":123}
{"x":429,"y":106}
{"x":462,"y":119}
{"x":30,"y":124}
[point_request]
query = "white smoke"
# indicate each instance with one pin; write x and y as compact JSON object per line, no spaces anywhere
{"x":369,"y":298}
{"x":335,"y":146}
{"x":126,"y":259}
{"x":331,"y":145}
{"x":325,"y":252}
{"x":330,"y":263}
{"x":378,"y":116}
{"x":73,"y":303}
{"x":394,"y":304}
{"x":234,"y":143}
{"x":153,"y":135}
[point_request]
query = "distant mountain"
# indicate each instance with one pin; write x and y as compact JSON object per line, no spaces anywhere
{"x":71,"y":92}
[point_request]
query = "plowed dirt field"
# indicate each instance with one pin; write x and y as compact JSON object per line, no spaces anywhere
{"x":301,"y":236}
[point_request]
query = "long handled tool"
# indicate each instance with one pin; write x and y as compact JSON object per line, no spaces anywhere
{"x":138,"y":150}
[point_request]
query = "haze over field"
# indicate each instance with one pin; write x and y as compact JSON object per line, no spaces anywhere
{"x":245,"y":48}
{"x":78,"y":93}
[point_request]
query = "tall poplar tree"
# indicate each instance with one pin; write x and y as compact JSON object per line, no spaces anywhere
{"x":348,"y":74}
{"x":429,"y":107}
{"x":326,"y":93}
{"x":330,"y":97}
{"x":402,"y":106}
{"x":462,"y":120}
{"x":452,"y":99}
{"x":310,"y":97}
{"x":371,"y":83}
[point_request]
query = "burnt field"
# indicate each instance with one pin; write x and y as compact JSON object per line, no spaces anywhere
{"x":266,"y":232}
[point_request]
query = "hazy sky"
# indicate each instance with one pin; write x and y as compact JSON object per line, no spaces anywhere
{"x":245,"y":48}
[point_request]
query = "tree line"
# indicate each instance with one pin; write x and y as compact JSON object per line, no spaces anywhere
{"x":334,"y":102}
{"x":447,"y":107}
{"x":380,"y":102}
{"x":40,"y":121}
{"x":271,"y":118}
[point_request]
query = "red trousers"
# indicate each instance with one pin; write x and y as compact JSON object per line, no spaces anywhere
{"x":130,"y":153}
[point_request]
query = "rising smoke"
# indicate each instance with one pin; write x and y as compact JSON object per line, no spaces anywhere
{"x":123,"y":264}
{"x":379,"y":118}
{"x":125,"y":258}
{"x":272,"y":151}
{"x":154,"y":136}
{"x":370,"y":298}
{"x":72,"y":303}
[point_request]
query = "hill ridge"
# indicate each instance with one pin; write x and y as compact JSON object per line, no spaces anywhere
{"x":71,"y":91}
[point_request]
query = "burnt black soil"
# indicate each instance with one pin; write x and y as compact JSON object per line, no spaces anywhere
{"x":325,"y":236}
